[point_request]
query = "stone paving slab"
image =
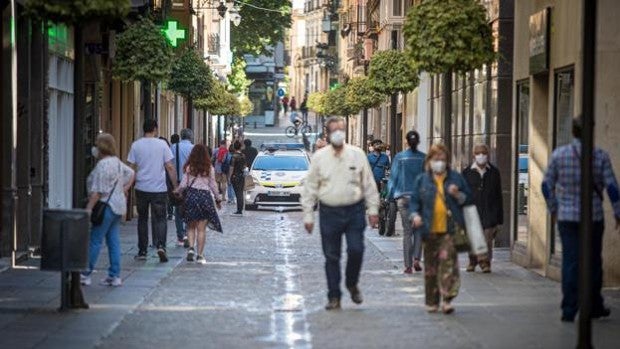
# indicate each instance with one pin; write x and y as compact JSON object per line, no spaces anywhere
{"x":29,"y":298}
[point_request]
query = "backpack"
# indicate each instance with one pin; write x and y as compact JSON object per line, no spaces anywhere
{"x":226,"y":163}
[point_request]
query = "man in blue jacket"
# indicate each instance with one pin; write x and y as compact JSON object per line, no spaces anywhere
{"x":406,"y":166}
{"x":379,"y":161}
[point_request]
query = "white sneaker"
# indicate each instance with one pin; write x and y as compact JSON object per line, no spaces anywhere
{"x":85,"y":280}
{"x":201,"y":260}
{"x":112,"y":281}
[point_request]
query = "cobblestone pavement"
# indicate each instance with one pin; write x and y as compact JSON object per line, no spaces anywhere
{"x":263,"y":287}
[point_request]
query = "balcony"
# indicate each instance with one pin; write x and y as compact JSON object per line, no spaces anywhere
{"x":308,"y":52}
{"x":213,"y":44}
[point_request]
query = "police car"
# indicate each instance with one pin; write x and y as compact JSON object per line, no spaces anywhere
{"x":278,"y":172}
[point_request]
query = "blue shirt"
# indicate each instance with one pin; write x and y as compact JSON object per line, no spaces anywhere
{"x":378,"y":165}
{"x":406,"y":167}
{"x":185,"y":148}
{"x":561,"y":186}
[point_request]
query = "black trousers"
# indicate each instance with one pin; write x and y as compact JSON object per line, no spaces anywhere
{"x":158,"y":204}
{"x":238,"y":184}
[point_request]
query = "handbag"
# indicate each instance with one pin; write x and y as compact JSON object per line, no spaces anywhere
{"x":98,"y":211}
{"x":248,"y":182}
{"x":181,"y":196}
{"x":474,"y":230}
{"x":461,"y":240}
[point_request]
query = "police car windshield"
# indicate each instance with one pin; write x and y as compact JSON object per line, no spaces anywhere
{"x":280,"y":163}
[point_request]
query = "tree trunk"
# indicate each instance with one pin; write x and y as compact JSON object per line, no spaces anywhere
{"x":146,"y":97}
{"x":447,"y":110}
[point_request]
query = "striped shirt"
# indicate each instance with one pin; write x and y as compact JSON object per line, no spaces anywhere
{"x":562,"y":183}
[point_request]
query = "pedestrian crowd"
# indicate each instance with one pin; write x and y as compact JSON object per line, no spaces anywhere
{"x":179,"y":181}
{"x":190,"y":182}
{"x":433,"y":199}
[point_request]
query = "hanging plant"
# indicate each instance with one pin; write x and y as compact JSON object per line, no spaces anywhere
{"x":191,"y":77}
{"x":142,"y":53}
{"x":392,"y":72}
{"x":317,"y":102}
{"x":76,"y":11}
{"x":449,"y":35}
{"x":360,"y":94}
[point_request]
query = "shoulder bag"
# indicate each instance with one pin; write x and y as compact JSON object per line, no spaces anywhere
{"x":98,"y":211}
{"x":461,"y":240}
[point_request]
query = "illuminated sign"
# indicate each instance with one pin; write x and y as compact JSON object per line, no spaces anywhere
{"x":173,"y":33}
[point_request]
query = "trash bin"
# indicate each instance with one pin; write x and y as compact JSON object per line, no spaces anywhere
{"x":64,"y":240}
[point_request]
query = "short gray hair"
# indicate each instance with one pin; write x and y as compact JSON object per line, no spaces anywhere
{"x":187,"y":134}
{"x":332,"y":120}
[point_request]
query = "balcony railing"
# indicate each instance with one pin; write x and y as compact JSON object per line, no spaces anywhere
{"x":213,"y":44}
{"x":308,"y":52}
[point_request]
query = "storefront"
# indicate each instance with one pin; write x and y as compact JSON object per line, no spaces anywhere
{"x":547,"y":95}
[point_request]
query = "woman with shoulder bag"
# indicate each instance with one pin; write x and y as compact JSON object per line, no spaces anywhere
{"x":201,"y":197}
{"x":436,"y":209}
{"x":107,"y":186}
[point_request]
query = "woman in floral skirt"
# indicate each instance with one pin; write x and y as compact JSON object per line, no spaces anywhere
{"x":201,"y":200}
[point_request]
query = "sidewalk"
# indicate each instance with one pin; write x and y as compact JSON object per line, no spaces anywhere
{"x":510,"y":308}
{"x":29,"y":298}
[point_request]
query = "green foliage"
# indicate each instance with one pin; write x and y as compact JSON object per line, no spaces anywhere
{"x":246,"y":107}
{"x":317,"y":102}
{"x":191,"y":77}
{"x":449,"y":35}
{"x":76,"y":11}
{"x":218,"y":101}
{"x":259,"y":29}
{"x":142,"y":53}
{"x":335,"y":102}
{"x":360,"y":94}
{"x":237,"y":79}
{"x":392,"y":72}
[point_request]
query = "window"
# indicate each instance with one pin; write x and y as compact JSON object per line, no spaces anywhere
{"x":563,"y":117}
{"x":397,"y":8}
{"x":523,"y":179}
{"x":280,"y":163}
{"x":178,"y":3}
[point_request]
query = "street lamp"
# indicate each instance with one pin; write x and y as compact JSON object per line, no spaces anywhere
{"x":235,"y":17}
{"x":221,"y":8}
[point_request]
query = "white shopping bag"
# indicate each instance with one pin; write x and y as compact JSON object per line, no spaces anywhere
{"x":474,"y":230}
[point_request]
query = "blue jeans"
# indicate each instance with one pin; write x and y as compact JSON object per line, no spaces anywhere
{"x":109,"y":229}
{"x":230,"y":192}
{"x":334,"y":222}
{"x":569,"y":233}
{"x":178,"y":221}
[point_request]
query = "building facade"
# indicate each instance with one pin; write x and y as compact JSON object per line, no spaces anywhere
{"x":546,"y":91}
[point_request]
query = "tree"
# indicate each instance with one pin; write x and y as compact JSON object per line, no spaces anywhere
{"x":260,"y":29}
{"x":449,"y":36}
{"x":77,"y":10}
{"x":246,"y":107}
{"x":191,"y":78}
{"x":317,"y":102}
{"x":238,"y":79}
{"x":392,"y":72}
{"x":361,"y":95}
{"x":219,"y":101}
{"x":335,"y":102}
{"x":142,"y":54}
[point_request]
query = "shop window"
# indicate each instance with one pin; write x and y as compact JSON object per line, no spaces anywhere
{"x":523,"y":178}
{"x":397,"y":8}
{"x":563,"y":107}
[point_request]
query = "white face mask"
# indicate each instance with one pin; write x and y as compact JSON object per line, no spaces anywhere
{"x":337,"y":138}
{"x":94,"y":151}
{"x":481,"y":159}
{"x":438,"y":166}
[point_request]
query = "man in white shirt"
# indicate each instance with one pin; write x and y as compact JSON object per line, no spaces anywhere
{"x":151,"y":159}
{"x":341,"y":180}
{"x":181,"y":152}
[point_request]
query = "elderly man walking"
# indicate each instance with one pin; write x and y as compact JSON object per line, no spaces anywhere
{"x":485,"y":183}
{"x":561,"y":189}
{"x":341,"y":180}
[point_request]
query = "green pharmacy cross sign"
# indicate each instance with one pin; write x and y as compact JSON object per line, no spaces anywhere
{"x":173,"y":33}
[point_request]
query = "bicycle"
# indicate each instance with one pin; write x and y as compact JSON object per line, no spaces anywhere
{"x":387,"y":210}
{"x":299,"y":126}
